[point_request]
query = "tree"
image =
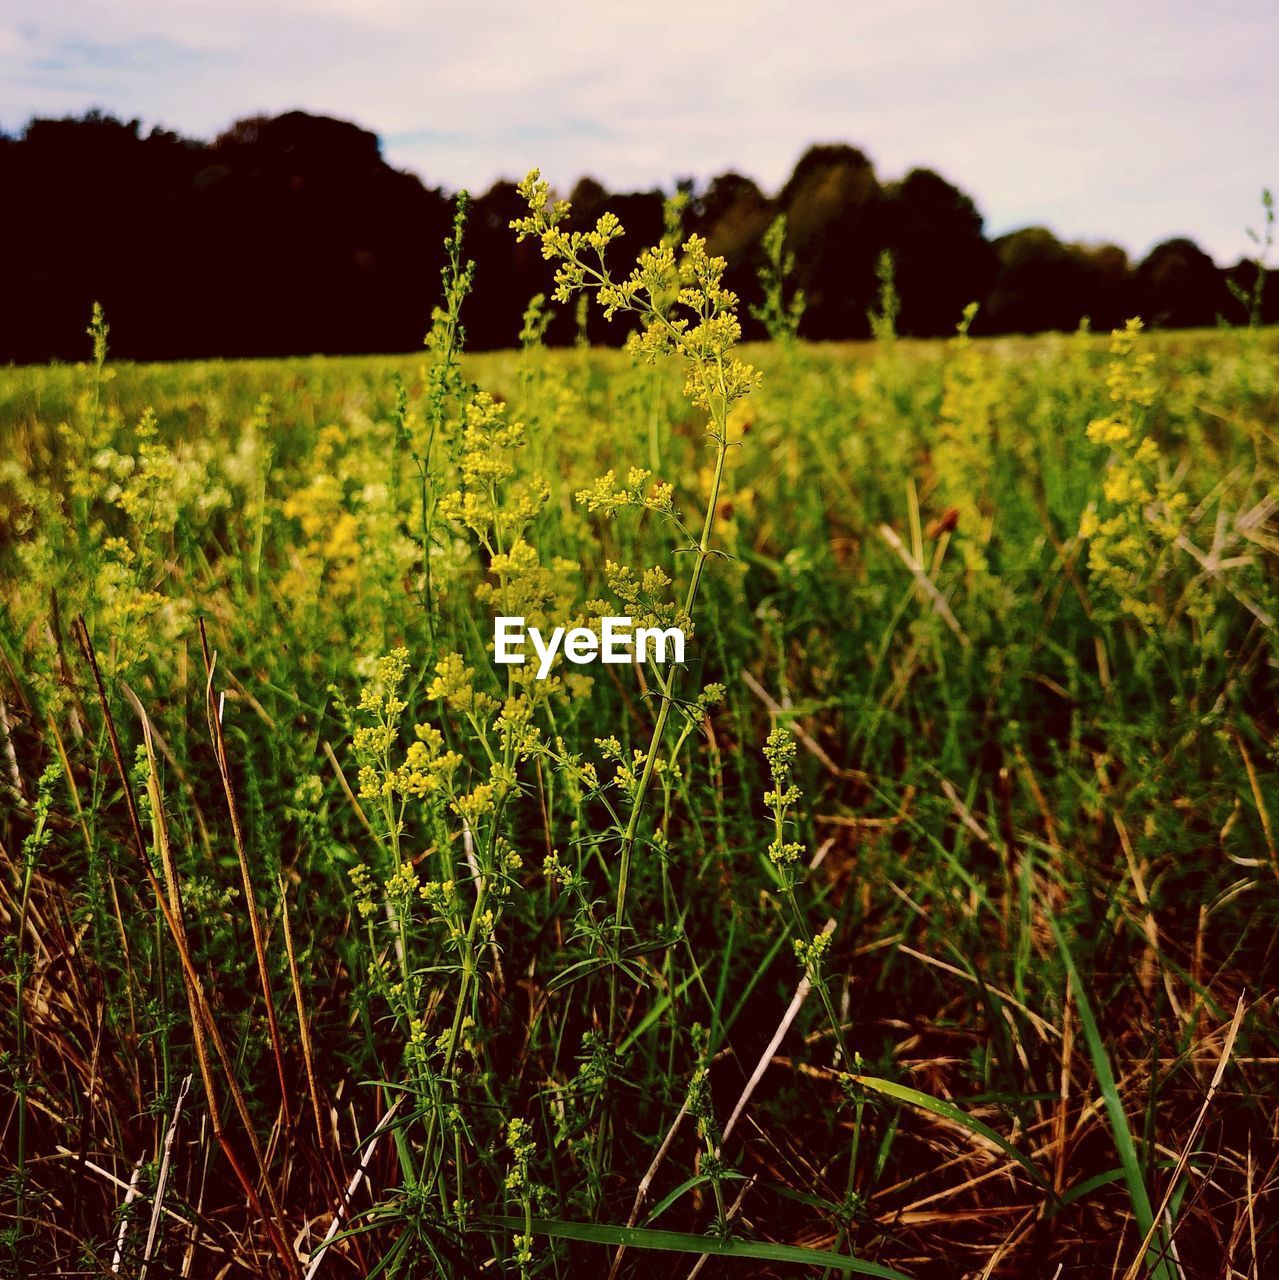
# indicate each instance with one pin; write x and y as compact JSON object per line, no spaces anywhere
{"x":291,"y":234}
{"x":507,"y":274}
{"x":340,"y":252}
{"x":942,"y":260}
{"x":834,"y":215}
{"x":1042,"y":284}
{"x":734,"y":215}
{"x":1178,"y":285}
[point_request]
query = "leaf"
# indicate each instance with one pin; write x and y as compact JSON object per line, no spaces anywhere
{"x":684,"y":1242}
{"x":1159,"y":1264}
{"x":948,"y":1111}
{"x":697,"y":1180}
{"x":1085,"y":1188}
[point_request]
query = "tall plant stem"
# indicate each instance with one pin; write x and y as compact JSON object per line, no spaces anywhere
{"x":663,"y":714}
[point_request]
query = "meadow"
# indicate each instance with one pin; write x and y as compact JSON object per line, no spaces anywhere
{"x":923,"y":923}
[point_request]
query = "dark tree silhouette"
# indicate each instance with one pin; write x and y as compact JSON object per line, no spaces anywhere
{"x":1243,"y":275}
{"x":285,"y":235}
{"x":834,"y":211}
{"x":91,"y":209}
{"x":507,"y":274}
{"x":733,"y":214}
{"x":289,"y":193}
{"x":1042,"y":284}
{"x":291,"y":234}
{"x":1108,"y":289}
{"x":1039,"y":285}
{"x":942,"y":262}
{"x":640,"y":213}
{"x":1180,"y":286}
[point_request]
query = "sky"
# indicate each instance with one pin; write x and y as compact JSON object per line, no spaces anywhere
{"x":1129,"y":122}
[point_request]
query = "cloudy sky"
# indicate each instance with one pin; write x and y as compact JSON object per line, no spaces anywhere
{"x":1131,"y":122}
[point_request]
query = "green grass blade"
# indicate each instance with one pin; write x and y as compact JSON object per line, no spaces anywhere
{"x":1160,"y":1265}
{"x":687,"y":1185}
{"x":948,"y":1111}
{"x":684,"y":1242}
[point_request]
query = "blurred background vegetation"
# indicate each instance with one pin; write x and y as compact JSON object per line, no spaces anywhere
{"x":292,"y":235}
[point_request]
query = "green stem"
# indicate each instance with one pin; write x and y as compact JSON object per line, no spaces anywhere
{"x":663,"y":714}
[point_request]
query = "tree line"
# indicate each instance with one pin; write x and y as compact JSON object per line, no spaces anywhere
{"x":291,"y":235}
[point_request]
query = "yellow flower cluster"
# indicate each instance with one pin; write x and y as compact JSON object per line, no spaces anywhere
{"x":643,"y":596}
{"x":1145,"y":511}
{"x":521,"y":1146}
{"x":330,"y":529}
{"x":779,"y":752}
{"x":517,"y":729}
{"x":455,"y":683}
{"x":440,"y":896}
{"x":403,"y":884}
{"x":427,"y":767}
{"x":497,"y":506}
{"x":362,"y":882}
{"x":605,"y":497}
{"x":493,"y":513}
{"x":474,"y":805}
{"x":811,"y":954}
{"x":526,"y":587}
{"x":685,"y":308}
{"x":966,"y":444}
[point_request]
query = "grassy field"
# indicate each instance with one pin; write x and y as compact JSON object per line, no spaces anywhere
{"x":923,"y":923}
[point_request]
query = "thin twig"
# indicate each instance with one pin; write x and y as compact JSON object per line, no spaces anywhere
{"x":304,"y":1026}
{"x":805,"y":739}
{"x":356,"y":1178}
{"x":468,"y":849}
{"x":647,"y":1181}
{"x":204,"y":1012}
{"x":10,"y":757}
{"x":129,"y":1197}
{"x":732,"y":1213}
{"x":929,"y":587}
{"x":801,"y":994}
{"x":1188,"y":1147}
{"x":246,"y":877}
{"x":162,"y":1180}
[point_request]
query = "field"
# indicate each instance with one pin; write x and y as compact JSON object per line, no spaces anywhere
{"x":923,"y":923}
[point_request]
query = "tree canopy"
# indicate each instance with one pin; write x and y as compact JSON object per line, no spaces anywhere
{"x":292,"y":234}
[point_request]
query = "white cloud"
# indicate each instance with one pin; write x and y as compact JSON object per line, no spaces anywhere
{"x":1129,"y":123}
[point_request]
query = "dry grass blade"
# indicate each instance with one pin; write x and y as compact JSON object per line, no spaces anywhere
{"x":1188,"y":1147}
{"x":1262,"y":811}
{"x":733,"y":1210}
{"x":304,"y":1025}
{"x":889,"y":535}
{"x":805,"y":739}
{"x":792,"y":1012}
{"x":162,"y":1178}
{"x":788,"y":1018}
{"x":246,"y":877}
{"x":346,"y":788}
{"x":14,"y":783}
{"x":119,"y":1183}
{"x":646,"y":1181}
{"x":1042,"y":1025}
{"x":352,"y":1187}
{"x":129,"y":1197}
{"x":204,"y":1015}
